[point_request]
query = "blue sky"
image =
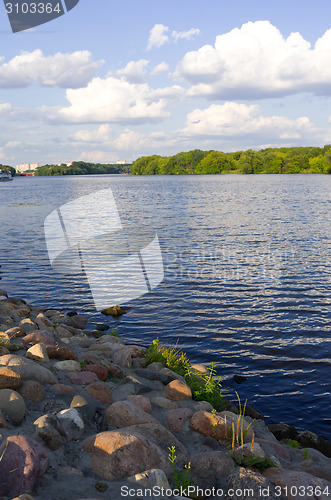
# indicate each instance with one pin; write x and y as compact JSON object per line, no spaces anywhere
{"x":113,"y":81}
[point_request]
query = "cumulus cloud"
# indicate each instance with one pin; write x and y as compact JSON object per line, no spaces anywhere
{"x":185,"y":35}
{"x":130,"y":140}
{"x":101,"y":135}
{"x":115,"y":100}
{"x":97,"y":156}
{"x":157,"y":36}
{"x":256,"y":61}
{"x":63,"y":70}
{"x":160,"y":68}
{"x":133,"y":72}
{"x":233,"y":120}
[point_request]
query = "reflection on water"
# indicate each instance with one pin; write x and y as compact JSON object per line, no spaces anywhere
{"x":247,"y":276}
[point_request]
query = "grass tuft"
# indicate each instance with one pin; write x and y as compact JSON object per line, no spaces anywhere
{"x":204,"y":386}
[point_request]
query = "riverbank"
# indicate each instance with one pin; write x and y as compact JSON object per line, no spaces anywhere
{"x":84,"y":416}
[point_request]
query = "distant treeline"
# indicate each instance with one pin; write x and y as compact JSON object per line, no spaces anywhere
{"x":83,"y":168}
{"x":7,"y":167}
{"x":295,"y":160}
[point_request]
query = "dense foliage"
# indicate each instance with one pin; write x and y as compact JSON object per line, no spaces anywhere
{"x":295,"y":160}
{"x":82,"y":168}
{"x":7,"y":167}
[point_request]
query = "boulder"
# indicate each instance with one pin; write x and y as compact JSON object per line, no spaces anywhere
{"x":114,"y":311}
{"x":52,"y":431}
{"x":309,"y":439}
{"x":177,"y":391}
{"x":176,"y":418}
{"x":130,"y":451}
{"x":27,"y":459}
{"x":101,"y":392}
{"x":150,"y":479}
{"x":63,"y":389}
{"x":78,"y":321}
{"x":141,"y":401}
{"x":295,"y":479}
{"x":209,"y":425}
{"x":9,"y":379}
{"x":33,"y":391}
{"x":61,"y":353}
{"x":125,"y":413}
{"x":68,"y":365}
{"x":100,"y":371}
{"x":163,"y":402}
{"x":16,"y":332}
{"x":117,"y":454}
{"x":283,"y":431}
{"x":247,"y":484}
{"x":27,"y":325}
{"x":46,"y":337}
{"x":3,"y":350}
{"x":38,"y":353}
{"x":13,"y":405}
{"x":82,"y":378}
{"x":28,"y":369}
{"x":206,"y":466}
{"x":71,"y":415}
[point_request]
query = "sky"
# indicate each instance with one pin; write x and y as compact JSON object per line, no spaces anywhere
{"x":112,"y":81}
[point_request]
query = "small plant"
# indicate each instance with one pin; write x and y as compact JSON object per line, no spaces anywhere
{"x":293,"y":443}
{"x":114,"y":333}
{"x":238,"y":433}
{"x":204,"y":386}
{"x":247,"y":460}
{"x":6,"y":342}
{"x":306,"y":455}
{"x":83,"y":364}
{"x":181,"y":477}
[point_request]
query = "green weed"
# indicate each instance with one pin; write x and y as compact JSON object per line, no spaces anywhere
{"x":293,"y":443}
{"x":249,"y":461}
{"x":204,"y":386}
{"x":114,"y":333}
{"x":181,"y":477}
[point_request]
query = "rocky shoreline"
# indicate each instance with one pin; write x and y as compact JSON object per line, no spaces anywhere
{"x":82,"y":416}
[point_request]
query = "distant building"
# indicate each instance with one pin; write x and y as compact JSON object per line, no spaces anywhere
{"x":23,"y":167}
{"x":120,"y":162}
{"x":68,"y":164}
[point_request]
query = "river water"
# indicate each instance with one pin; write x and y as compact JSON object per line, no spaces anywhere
{"x":247,"y":276}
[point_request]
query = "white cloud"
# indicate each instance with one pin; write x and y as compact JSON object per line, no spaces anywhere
{"x":133,"y":72}
{"x":97,"y":156}
{"x":160,"y":68}
{"x":185,"y":35}
{"x":157,"y":36}
{"x":101,"y":135}
{"x":130,"y":140}
{"x":233,"y":120}
{"x":63,"y":70}
{"x":115,"y":100}
{"x":256,"y":61}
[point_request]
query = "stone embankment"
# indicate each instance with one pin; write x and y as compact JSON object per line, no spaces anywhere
{"x":82,"y":416}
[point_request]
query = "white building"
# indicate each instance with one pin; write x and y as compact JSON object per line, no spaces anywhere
{"x":23,"y":167}
{"x":121,"y":162}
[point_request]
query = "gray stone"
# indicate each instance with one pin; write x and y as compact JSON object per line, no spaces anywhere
{"x":28,"y":369}
{"x":13,"y":405}
{"x":24,"y":460}
{"x":52,"y":431}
